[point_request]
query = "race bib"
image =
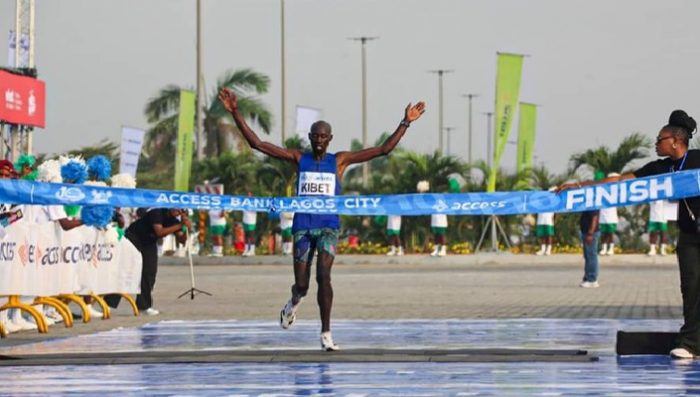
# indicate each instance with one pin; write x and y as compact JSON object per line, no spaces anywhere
{"x":316,"y":184}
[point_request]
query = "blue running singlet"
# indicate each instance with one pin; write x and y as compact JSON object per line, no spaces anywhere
{"x":316,"y":178}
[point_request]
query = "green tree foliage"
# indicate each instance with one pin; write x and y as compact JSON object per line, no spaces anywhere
{"x":162,"y":111}
{"x":104,"y":147}
{"x":632,"y":147}
{"x":237,"y":171}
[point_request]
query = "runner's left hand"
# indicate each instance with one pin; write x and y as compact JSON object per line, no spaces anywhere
{"x":413,"y":112}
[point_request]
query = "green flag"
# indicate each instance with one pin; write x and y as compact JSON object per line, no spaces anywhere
{"x":507,"y":91}
{"x":185,"y":132}
{"x":526,"y":136}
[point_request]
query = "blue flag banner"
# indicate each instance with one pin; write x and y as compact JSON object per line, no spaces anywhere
{"x":633,"y":191}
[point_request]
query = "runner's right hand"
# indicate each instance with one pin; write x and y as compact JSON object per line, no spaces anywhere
{"x":228,"y":99}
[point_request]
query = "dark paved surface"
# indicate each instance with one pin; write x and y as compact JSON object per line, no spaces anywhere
{"x":410,"y":287}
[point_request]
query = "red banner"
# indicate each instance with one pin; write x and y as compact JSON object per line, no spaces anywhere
{"x":22,"y":100}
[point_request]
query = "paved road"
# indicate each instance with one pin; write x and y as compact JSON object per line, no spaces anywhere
{"x":410,"y":287}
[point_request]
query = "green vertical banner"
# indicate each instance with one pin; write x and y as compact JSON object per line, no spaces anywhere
{"x":185,"y":133}
{"x":526,"y":136}
{"x":508,"y":76}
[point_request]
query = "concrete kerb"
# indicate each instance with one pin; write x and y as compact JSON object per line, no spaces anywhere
{"x":424,"y":259}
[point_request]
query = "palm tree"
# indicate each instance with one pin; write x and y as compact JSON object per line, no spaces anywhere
{"x":237,"y":171}
{"x":541,"y":178}
{"x":379,"y":170}
{"x":297,"y":142}
{"x":243,"y":82}
{"x":278,"y":177}
{"x":404,"y":170}
{"x":632,"y":147}
{"x":407,"y":168}
{"x":506,"y":181}
{"x":105,"y":147}
{"x":162,"y":112}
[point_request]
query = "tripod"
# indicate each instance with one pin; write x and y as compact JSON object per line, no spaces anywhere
{"x":495,"y":227}
{"x":192,"y":291}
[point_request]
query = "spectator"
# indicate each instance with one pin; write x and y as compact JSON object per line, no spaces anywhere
{"x":608,"y":226}
{"x":250,"y":220}
{"x":545,"y":230}
{"x":658,"y":227}
{"x":217,"y":228}
{"x":393,"y":231}
{"x":144,"y":234}
{"x":588,"y":223}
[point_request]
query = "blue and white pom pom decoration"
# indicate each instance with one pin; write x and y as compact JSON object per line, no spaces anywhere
{"x":99,"y":168}
{"x":98,"y":216}
{"x":123,"y":180}
{"x":74,"y":171}
{"x":50,"y":171}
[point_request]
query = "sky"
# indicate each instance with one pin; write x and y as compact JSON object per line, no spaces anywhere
{"x":598,"y":69}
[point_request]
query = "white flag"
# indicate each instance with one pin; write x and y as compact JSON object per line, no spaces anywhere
{"x":132,"y":141}
{"x":23,"y":50}
{"x":305,"y":117}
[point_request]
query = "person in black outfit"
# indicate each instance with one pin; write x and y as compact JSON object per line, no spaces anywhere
{"x":672,"y":144}
{"x":588,"y":223}
{"x":144,"y":234}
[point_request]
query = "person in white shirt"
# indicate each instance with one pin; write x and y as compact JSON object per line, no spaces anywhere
{"x":658,"y":227}
{"x":438,"y":226}
{"x":217,"y":228}
{"x":250,"y":219}
{"x":393,"y":231}
{"x":544,"y":230}
{"x":607,"y":224}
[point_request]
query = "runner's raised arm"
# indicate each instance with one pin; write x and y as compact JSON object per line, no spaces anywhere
{"x":230,"y":101}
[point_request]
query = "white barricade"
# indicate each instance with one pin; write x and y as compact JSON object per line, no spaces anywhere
{"x":44,"y":260}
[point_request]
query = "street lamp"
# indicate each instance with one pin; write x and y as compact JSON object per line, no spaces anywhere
{"x":489,"y":150}
{"x":200,"y":89}
{"x":470,"y":96}
{"x":449,"y":130}
{"x":363,"y":40}
{"x":283,"y":77}
{"x":440,"y":73}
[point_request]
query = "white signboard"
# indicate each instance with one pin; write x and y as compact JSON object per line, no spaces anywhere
{"x":305,"y":117}
{"x":23,"y":51}
{"x":44,"y":260}
{"x":132,"y":142}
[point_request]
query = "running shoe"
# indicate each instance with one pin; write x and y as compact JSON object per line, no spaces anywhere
{"x":681,"y":352}
{"x":151,"y":312}
{"x":288,"y":314}
{"x":327,"y":343}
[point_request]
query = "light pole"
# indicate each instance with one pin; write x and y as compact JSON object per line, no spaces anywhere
{"x":200,"y":92}
{"x":470,"y":96}
{"x":489,"y":154}
{"x":440,"y":73}
{"x":21,"y":135}
{"x":448,"y":131}
{"x":363,"y":40}
{"x":283,"y":78}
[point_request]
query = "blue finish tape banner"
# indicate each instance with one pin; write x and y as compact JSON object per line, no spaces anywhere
{"x":634,"y":191}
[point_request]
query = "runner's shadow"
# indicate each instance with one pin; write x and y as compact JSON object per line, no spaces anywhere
{"x":312,"y":380}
